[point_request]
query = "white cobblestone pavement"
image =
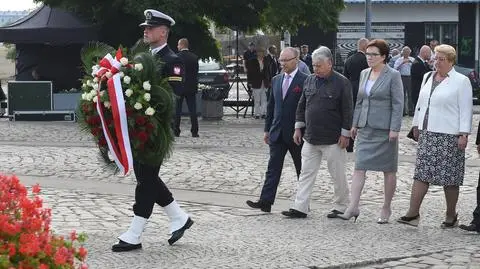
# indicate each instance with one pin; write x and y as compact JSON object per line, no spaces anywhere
{"x":212,"y":176}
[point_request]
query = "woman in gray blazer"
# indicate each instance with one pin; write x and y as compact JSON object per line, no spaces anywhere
{"x":376,"y":123}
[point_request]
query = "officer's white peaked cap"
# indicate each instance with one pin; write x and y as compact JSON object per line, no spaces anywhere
{"x":156,"y":18}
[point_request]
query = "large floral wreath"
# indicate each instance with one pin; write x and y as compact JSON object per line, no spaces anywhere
{"x":126,"y":105}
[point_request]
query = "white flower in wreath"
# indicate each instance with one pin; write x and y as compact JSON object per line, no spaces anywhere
{"x":84,"y":86}
{"x":107,"y":104}
{"x":108,"y":74}
{"x":84,"y":96}
{"x":124,"y":61}
{"x":95,"y":99}
{"x":102,"y":93}
{"x":147,"y":97}
{"x":89,"y":83}
{"x":95,"y":86}
{"x":127,"y":80}
{"x":121,"y":74}
{"x":128,"y":92}
{"x":95,"y":80}
{"x":138,"y":67}
{"x":93,"y":92}
{"x":137,"y":106}
{"x":146,"y":85}
{"x":149,"y":111}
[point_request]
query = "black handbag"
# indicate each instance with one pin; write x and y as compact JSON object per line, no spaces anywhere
{"x":411,"y":136}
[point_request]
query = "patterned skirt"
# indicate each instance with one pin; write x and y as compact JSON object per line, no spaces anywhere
{"x":439,"y":160}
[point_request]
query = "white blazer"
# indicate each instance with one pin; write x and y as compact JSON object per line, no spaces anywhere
{"x":451,"y":105}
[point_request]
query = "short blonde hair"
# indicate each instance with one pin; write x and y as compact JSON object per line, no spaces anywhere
{"x":449,"y":52}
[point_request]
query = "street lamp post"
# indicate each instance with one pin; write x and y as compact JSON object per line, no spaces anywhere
{"x":368,"y":19}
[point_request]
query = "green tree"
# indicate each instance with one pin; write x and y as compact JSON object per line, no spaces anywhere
{"x":118,"y":20}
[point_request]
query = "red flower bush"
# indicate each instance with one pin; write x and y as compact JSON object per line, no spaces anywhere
{"x":26,"y":240}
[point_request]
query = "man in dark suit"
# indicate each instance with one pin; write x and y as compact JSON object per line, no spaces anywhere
{"x":419,"y":67}
{"x":306,"y":57}
{"x":353,"y":67}
{"x":279,"y":125}
{"x":474,"y":226}
{"x":271,"y":67}
{"x":189,"y":91}
{"x":150,"y":188}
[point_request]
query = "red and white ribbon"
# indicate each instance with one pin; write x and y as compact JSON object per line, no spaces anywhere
{"x":120,"y":149}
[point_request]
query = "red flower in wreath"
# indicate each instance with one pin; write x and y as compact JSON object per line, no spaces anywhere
{"x":142,"y":136}
{"x":297,"y":89}
{"x":140,"y":120}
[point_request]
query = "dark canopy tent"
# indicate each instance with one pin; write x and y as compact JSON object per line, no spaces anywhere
{"x":48,"y":42}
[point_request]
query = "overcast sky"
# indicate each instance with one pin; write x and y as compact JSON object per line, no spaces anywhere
{"x":16,"y":4}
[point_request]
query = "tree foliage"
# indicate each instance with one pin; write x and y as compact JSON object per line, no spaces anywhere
{"x":118,"y":19}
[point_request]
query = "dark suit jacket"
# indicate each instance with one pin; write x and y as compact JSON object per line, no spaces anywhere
{"x":307,"y":59}
{"x":270,"y":69}
{"x":280,"y":121}
{"x":419,"y":68}
{"x":190,"y":60}
{"x":353,"y":67}
{"x":255,"y":76}
{"x":173,"y":69}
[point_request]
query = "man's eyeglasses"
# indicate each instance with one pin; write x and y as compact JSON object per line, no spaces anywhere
{"x":286,"y":60}
{"x":371,"y":54}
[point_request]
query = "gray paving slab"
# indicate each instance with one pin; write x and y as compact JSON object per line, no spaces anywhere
{"x":212,"y":177}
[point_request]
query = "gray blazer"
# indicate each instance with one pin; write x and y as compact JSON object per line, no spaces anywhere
{"x":383,"y":108}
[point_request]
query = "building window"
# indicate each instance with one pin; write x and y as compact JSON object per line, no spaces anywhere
{"x":445,"y":33}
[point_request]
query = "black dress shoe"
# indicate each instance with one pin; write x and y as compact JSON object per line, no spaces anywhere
{"x":179,"y":233}
{"x":292,"y":213}
{"x":264,"y":206}
{"x":470,"y":228}
{"x":122,"y":246}
{"x":177,"y":134}
{"x":333,"y":214}
{"x":195,"y":135}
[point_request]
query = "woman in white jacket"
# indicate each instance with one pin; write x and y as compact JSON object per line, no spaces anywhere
{"x":442,"y":123}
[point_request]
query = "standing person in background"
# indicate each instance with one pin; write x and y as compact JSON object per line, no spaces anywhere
{"x":404,"y":66}
{"x":354,"y":65}
{"x":190,"y":87}
{"x":249,"y":54}
{"x":419,"y":67}
{"x":306,"y":57}
{"x":393,"y":57}
{"x":256,"y":80}
{"x":271,"y":67}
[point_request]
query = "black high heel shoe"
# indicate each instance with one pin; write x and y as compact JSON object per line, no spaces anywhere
{"x":452,"y":224}
{"x":413,"y":221}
